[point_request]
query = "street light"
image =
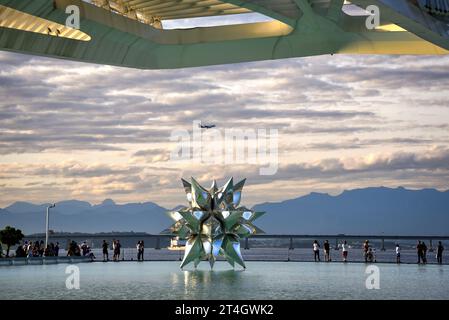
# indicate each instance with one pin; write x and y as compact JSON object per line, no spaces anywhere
{"x":46,"y":224}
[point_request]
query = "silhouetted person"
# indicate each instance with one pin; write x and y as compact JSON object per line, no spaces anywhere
{"x":20,"y":253}
{"x":419,"y":251}
{"x":105,"y":247}
{"x":424,"y":253}
{"x":327,"y":248}
{"x":140,"y":248}
{"x":72,"y":249}
{"x":440,"y":250}
{"x":41,"y":248}
{"x":47,"y":251}
{"x":56,"y":249}
{"x":316,"y":251}
{"x":77,"y":251}
{"x":117,"y":250}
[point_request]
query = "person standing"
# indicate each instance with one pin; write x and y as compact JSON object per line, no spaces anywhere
{"x":142,"y":248}
{"x":365,"y":250}
{"x":57,"y":249}
{"x":105,"y":247}
{"x":41,"y":248}
{"x":114,"y":257}
{"x":25,"y":247}
{"x":71,"y":249}
{"x":138,"y":250}
{"x":370,"y":255}
{"x":327,"y":248}
{"x":316,"y":251}
{"x":440,"y":250}
{"x":117,"y":250}
{"x":344,"y":249}
{"x":398,"y":253}
{"x":419,"y":251}
{"x":424,"y":253}
{"x":30,"y":250}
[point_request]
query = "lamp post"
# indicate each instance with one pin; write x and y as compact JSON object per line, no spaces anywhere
{"x":46,"y":224}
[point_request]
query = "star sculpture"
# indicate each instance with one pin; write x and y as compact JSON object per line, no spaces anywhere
{"x":214,"y":223}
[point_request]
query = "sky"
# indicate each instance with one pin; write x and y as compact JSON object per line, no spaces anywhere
{"x":72,"y":130}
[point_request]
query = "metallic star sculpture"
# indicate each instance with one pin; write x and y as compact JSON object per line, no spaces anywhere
{"x":214,"y":223}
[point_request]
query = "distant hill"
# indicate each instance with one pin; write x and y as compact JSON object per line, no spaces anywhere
{"x":24,"y":207}
{"x":361,"y":211}
{"x":73,"y":216}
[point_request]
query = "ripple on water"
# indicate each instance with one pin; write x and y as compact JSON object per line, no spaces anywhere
{"x":261,"y":280}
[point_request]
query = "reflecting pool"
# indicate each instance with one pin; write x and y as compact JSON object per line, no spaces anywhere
{"x":261,"y":280}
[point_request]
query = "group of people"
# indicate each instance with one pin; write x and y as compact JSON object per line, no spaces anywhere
{"x":116,"y":250}
{"x":80,"y":250}
{"x":327,"y":251}
{"x":37,"y":249}
{"x":369,"y":253}
{"x":316,"y":251}
{"x":31,"y":249}
{"x":421,"y":250}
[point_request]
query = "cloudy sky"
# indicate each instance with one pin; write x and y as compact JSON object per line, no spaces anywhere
{"x":81,"y":131}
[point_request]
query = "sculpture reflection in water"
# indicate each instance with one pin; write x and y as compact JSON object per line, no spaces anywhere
{"x":214,"y":223}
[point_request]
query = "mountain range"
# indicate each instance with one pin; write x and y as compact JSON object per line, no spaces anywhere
{"x":397,"y":211}
{"x":74,"y":215}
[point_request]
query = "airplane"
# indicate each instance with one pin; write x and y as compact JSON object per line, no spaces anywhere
{"x":206,"y":126}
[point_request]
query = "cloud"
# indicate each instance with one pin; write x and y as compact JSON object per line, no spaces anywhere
{"x":433,"y":162}
{"x":359,"y":143}
{"x":90,"y":131}
{"x":153,"y":155}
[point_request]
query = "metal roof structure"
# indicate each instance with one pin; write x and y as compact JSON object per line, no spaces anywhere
{"x":130,"y":33}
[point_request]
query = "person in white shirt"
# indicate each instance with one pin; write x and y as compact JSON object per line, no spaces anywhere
{"x":140,"y":248}
{"x":398,"y":253}
{"x":114,"y":255}
{"x":316,"y":251}
{"x":344,"y":248}
{"x":30,"y":251}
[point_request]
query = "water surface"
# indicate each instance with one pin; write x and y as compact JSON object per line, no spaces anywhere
{"x":261,"y":280}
